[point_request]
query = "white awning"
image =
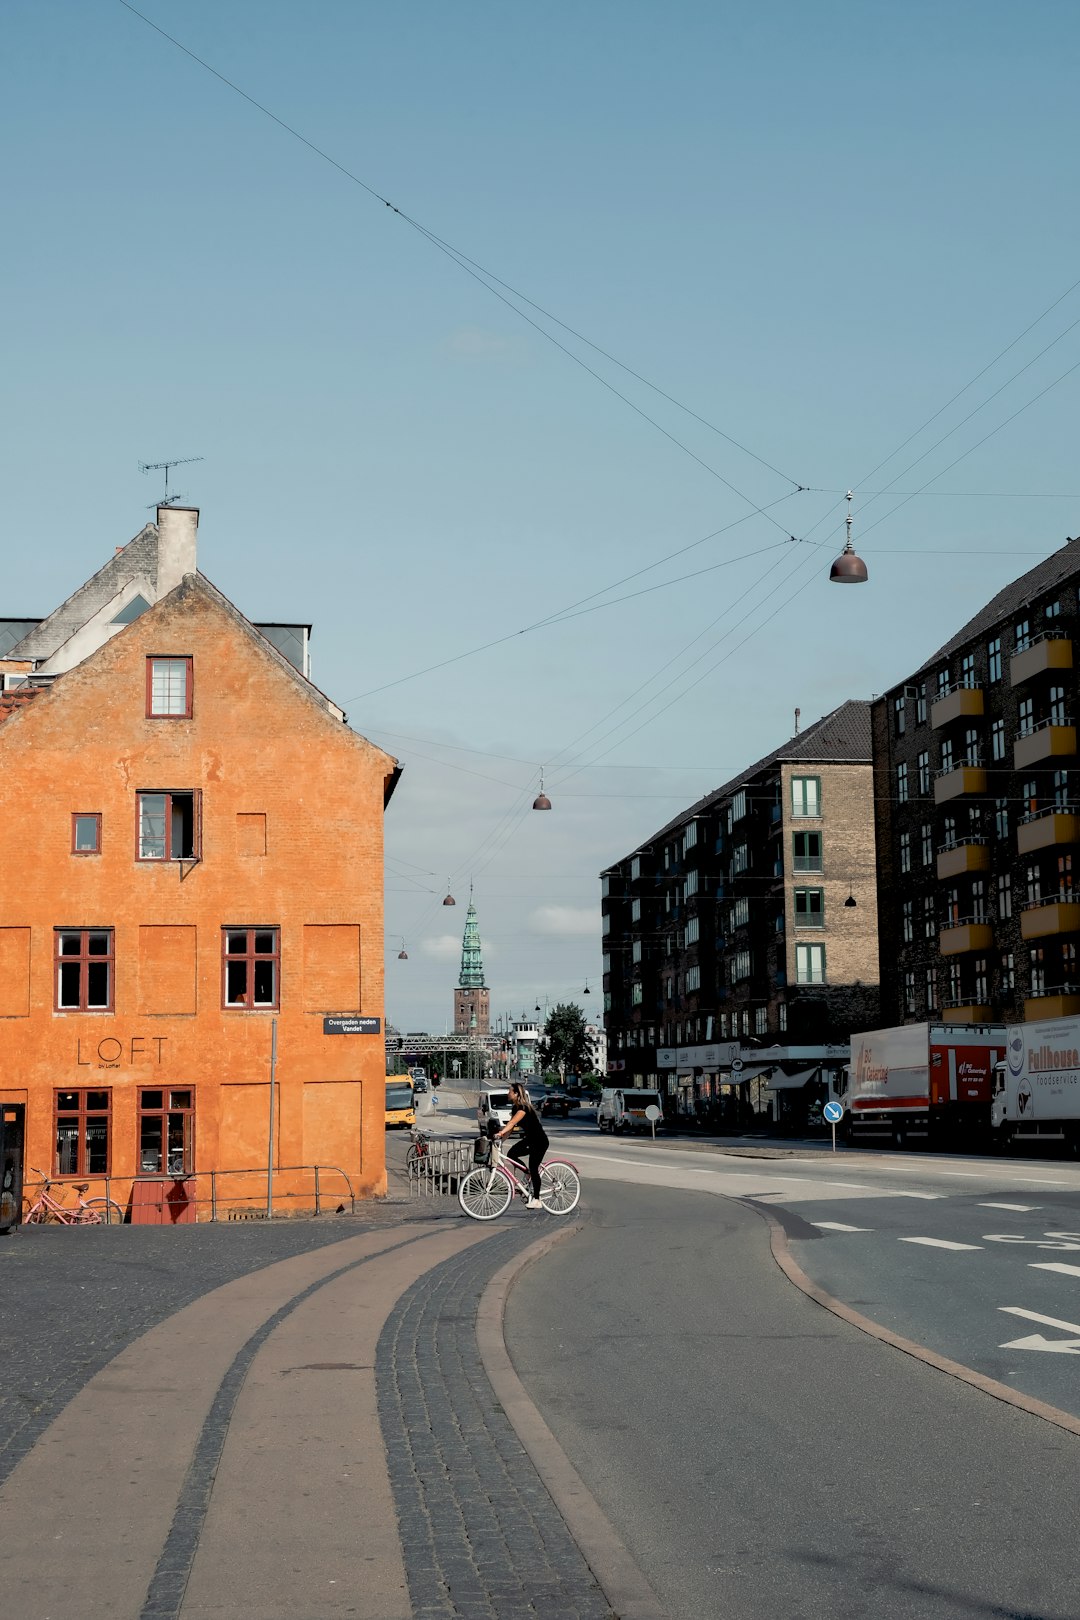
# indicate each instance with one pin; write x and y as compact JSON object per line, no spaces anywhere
{"x":790,"y":1082}
{"x":749,"y":1071}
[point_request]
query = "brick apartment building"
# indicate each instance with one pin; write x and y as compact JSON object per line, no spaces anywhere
{"x":745,"y":931}
{"x":194,"y":851}
{"x":978,"y":814}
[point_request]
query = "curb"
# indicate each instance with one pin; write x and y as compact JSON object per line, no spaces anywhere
{"x":618,"y":1576}
{"x":781,"y":1253}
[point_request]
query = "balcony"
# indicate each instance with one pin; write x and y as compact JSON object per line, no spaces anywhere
{"x":1059,"y":1001}
{"x":1052,"y":739}
{"x":967,"y":934}
{"x":965,"y":1010}
{"x":1053,"y":914}
{"x":967,"y":776}
{"x":1048,"y":828}
{"x":963,"y":855}
{"x":960,"y":702}
{"x":1052,"y":651}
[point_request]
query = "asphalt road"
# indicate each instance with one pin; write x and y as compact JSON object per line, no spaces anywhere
{"x":764,"y":1460}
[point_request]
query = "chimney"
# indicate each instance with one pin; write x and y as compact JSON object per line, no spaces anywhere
{"x":177,"y":527}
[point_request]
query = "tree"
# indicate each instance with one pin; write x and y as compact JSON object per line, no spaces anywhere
{"x":567,"y":1041}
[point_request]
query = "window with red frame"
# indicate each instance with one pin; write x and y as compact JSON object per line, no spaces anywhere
{"x":250,"y":967}
{"x":167,"y":1131}
{"x":84,"y":969}
{"x":83,"y":1122}
{"x":168,"y":688}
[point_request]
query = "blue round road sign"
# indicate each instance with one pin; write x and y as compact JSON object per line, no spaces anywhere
{"x":834,"y":1112}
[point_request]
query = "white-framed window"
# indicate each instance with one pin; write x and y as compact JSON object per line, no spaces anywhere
{"x":738,"y":805}
{"x":635,"y":995}
{"x":905,"y":852}
{"x":635,"y":951}
{"x":739,"y":913}
{"x":761,"y":1020}
{"x":909,"y":992}
{"x":782,"y":1015}
{"x":810,"y":964}
{"x":693,"y":930}
{"x":901,"y":783}
{"x":740,"y":858}
{"x":635,"y":911}
{"x":922,"y":765}
{"x":689,"y":836}
{"x":168,"y":688}
{"x":907,"y":914}
{"x":993,"y":659}
{"x":931,"y":989}
{"x":927,"y":842}
{"x":693,"y":978}
{"x":690,"y":885}
{"x":899,"y":716}
{"x":740,"y":966}
{"x":635,"y":868}
{"x":605,"y":923}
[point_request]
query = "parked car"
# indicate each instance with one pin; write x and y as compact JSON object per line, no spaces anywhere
{"x":557,"y":1103}
{"x":494,"y":1104}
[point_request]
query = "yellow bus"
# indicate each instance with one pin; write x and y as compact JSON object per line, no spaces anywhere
{"x":400,"y":1103}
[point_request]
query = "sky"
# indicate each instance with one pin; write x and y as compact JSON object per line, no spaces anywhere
{"x":825,"y":234}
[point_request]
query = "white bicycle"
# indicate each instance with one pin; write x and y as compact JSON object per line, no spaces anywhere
{"x":486,"y":1192}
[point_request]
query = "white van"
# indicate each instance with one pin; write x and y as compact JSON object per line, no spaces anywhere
{"x":494,"y":1104}
{"x":622,"y":1110}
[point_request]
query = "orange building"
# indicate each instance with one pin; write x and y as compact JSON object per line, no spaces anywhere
{"x":193,"y":875}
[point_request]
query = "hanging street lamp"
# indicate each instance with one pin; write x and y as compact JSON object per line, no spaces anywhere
{"x":848,"y":569}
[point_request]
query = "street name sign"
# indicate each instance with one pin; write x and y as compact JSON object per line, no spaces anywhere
{"x":351,"y":1026}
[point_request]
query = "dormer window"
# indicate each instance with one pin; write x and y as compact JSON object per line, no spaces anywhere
{"x":168,"y":688}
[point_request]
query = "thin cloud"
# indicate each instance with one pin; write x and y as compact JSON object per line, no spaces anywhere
{"x":561,"y":921}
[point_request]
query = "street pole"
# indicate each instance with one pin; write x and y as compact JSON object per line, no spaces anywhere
{"x":270,"y":1145}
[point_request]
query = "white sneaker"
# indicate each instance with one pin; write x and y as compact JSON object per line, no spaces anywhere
{"x":533,"y":1203}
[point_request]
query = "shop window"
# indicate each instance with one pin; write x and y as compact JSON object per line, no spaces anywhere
{"x":168,"y":688}
{"x":251,"y":959}
{"x":85,"y":833}
{"x":167,"y":1132}
{"x":82,"y":1120}
{"x":169,"y":826}
{"x":84,"y":969}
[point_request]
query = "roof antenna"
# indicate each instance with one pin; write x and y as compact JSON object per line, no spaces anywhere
{"x":163,"y":466}
{"x":798,"y":713}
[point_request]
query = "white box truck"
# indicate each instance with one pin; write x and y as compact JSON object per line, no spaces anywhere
{"x":1037,"y":1085}
{"x":922,"y":1081}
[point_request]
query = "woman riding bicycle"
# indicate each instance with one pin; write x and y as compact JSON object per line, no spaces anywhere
{"x":534,"y":1139}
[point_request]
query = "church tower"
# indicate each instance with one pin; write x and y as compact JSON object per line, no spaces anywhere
{"x":472,"y":999}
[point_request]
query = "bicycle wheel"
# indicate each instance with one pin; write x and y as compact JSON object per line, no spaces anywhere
{"x":560,"y":1187}
{"x":484,"y":1194}
{"x":107,"y":1210}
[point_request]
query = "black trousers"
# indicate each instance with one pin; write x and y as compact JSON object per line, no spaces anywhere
{"x":535,"y":1155}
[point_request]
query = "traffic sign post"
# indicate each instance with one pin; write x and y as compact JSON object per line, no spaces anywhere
{"x":652,"y":1114}
{"x":834,"y":1113}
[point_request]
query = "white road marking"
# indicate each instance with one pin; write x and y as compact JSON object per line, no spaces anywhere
{"x":1055,"y":1265}
{"x":838,"y":1226}
{"x":966,"y":1175}
{"x":941,"y":1243}
{"x":1035,"y":1316}
{"x":1019,"y":1209}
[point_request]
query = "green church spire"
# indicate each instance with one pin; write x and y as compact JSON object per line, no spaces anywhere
{"x":472,"y":965}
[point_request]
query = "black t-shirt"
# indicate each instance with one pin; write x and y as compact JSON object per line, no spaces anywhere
{"x":531,"y":1128}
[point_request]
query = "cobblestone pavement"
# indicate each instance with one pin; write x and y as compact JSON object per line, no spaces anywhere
{"x":482,"y":1537}
{"x":71,"y":1298}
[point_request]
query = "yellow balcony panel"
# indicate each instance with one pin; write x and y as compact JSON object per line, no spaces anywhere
{"x":1049,"y":742}
{"x":1061,"y":1005}
{"x":1050,"y":917}
{"x":964,"y":779}
{"x":1051,"y":654}
{"x":971,"y":1013}
{"x":968,"y":936}
{"x":964,"y":703}
{"x":1044,"y":832}
{"x":962,"y":858}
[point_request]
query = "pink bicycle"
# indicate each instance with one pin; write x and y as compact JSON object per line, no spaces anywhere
{"x":487,"y":1190}
{"x":87,"y":1212}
